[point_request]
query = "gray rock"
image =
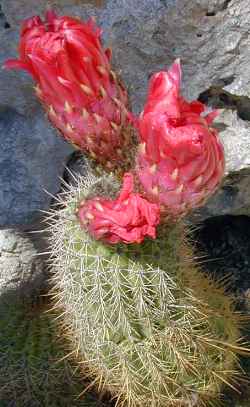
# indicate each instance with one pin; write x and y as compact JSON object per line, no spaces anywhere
{"x":211,"y":38}
{"x":20,"y":268}
{"x":32,"y":155}
{"x":16,"y":11}
{"x":3,"y":22}
{"x":32,"y":159}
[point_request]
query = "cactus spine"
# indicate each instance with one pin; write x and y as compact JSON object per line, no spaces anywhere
{"x":146,"y":324}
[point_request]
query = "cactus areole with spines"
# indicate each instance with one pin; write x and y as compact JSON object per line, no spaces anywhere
{"x":83,"y":96}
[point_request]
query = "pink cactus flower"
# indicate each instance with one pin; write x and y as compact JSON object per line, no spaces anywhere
{"x":180,"y":160}
{"x":128,"y":219}
{"x":75,"y":82}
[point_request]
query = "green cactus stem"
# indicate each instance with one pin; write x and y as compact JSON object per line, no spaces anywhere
{"x":146,"y":324}
{"x":33,"y":368}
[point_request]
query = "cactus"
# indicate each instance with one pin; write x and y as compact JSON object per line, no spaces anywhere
{"x":146,"y":324}
{"x":31,"y":372}
{"x":143,"y":321}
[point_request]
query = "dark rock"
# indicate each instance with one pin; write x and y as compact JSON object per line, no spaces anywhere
{"x":223,"y":245}
{"x":225,"y":242}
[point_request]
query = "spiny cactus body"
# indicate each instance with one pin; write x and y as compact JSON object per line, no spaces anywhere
{"x":33,"y":369}
{"x":148,"y":326}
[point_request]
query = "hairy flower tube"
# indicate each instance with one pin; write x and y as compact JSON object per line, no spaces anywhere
{"x":128,"y":219}
{"x":180,"y":160}
{"x":83,"y":97}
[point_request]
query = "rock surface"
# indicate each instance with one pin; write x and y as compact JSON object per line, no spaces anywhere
{"x":32,"y":159}
{"x":211,"y":37}
{"x":32,"y":156}
{"x":20,"y":267}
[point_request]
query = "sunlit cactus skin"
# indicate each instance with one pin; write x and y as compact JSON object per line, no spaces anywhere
{"x":148,"y":326}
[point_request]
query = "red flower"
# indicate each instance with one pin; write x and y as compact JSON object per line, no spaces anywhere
{"x":82,"y":95}
{"x":180,"y":158}
{"x":128,"y":219}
